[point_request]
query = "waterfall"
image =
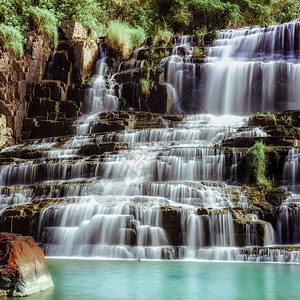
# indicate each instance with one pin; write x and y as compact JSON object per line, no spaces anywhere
{"x":100,"y":97}
{"x":291,"y":170}
{"x":258,"y":65}
{"x":288,"y":221}
{"x":171,"y":192}
{"x":248,"y":70}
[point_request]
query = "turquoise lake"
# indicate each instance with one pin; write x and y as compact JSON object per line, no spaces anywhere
{"x":94,"y":279}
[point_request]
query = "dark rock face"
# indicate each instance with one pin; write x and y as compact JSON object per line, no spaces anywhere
{"x":48,"y":105}
{"x":14,"y":77}
{"x":171,"y":221}
{"x":23,"y":270}
{"x":161,"y":99}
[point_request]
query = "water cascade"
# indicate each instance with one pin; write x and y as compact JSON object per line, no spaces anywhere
{"x":168,"y":192}
{"x":248,"y":70}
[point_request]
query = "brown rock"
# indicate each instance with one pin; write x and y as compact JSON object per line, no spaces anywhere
{"x":69,"y":30}
{"x":23,"y":270}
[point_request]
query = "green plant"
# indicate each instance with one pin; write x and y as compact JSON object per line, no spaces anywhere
{"x":287,"y":119}
{"x":12,"y":40}
{"x":285,"y":11}
{"x":122,"y":38}
{"x":162,"y":38}
{"x":198,"y":52}
{"x":44,"y":21}
{"x":257,"y":164}
{"x":146,"y":86}
{"x":267,"y":114}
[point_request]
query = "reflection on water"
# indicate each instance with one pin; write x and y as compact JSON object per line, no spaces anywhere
{"x":88,"y":279}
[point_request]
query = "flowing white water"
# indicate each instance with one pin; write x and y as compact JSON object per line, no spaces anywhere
{"x":247,"y":70}
{"x":162,"y":196}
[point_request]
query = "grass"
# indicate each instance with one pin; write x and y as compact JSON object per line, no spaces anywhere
{"x":11,"y":40}
{"x":122,"y":38}
{"x":44,"y":21}
{"x":287,"y":119}
{"x":267,"y":114}
{"x":162,"y":38}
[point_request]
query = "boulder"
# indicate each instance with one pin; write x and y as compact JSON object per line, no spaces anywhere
{"x":23,"y":270}
{"x":161,"y":99}
{"x":69,"y":30}
{"x":85,"y":52}
{"x":171,"y":222}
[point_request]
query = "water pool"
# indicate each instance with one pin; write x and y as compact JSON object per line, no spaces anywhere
{"x":93,"y":279}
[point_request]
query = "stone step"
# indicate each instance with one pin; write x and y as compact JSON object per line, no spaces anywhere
{"x":51,"y":89}
{"x":35,"y":151}
{"x":248,"y":142}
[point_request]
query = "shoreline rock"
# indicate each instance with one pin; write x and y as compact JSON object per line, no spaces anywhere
{"x":23,"y":270}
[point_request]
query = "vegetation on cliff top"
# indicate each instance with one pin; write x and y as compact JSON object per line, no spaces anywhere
{"x":153,"y":16}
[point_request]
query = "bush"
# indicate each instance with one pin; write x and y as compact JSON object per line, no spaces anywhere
{"x":146,"y":86}
{"x":257,"y":164}
{"x":198,"y":52}
{"x":122,"y":39}
{"x":44,"y":21}
{"x":162,"y":38}
{"x":12,"y":40}
{"x":285,"y":11}
{"x":214,"y":14}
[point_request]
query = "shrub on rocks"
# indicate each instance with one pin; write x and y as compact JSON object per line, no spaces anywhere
{"x":122,"y":38}
{"x":44,"y":21}
{"x":12,"y":40}
{"x":257,"y":164}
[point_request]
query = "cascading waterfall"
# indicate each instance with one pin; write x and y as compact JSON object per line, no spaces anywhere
{"x":163,"y":196}
{"x":258,"y":65}
{"x":100,"y":97}
{"x":248,"y":70}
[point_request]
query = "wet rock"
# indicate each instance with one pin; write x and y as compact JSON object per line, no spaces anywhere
{"x":98,"y":149}
{"x":48,"y":128}
{"x":16,"y":74}
{"x":85,"y":52}
{"x":132,"y":75}
{"x":257,"y":228}
{"x":161,"y":99}
{"x":130,"y":95}
{"x":69,"y":108}
{"x":6,"y":133}
{"x":23,"y":270}
{"x":171,"y":222}
{"x":24,"y":218}
{"x":247,"y":142}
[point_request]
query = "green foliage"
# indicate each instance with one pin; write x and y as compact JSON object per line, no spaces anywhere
{"x":44,"y":21}
{"x":12,"y":40}
{"x":157,"y":18}
{"x":267,"y":114}
{"x":287,"y":119}
{"x":214,"y":14}
{"x":162,"y":38}
{"x":122,"y":38}
{"x":146,"y":86}
{"x":285,"y":11}
{"x":198,"y":52}
{"x":257,"y":164}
